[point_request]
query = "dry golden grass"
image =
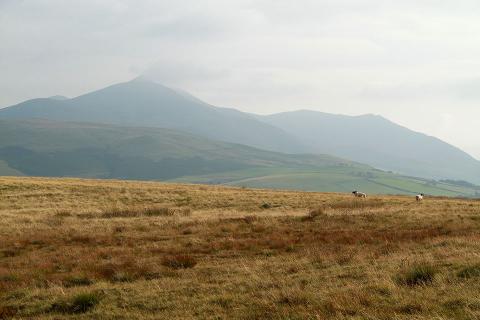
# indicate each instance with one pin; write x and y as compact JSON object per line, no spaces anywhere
{"x":72,"y":248}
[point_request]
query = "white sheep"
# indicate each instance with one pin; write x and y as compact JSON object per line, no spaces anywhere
{"x":419,"y":197}
{"x":359,"y":194}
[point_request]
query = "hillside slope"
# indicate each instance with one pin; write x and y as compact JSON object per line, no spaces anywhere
{"x":378,"y":142}
{"x":46,"y":148}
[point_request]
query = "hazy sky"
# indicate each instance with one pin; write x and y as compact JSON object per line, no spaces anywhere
{"x":416,"y":62}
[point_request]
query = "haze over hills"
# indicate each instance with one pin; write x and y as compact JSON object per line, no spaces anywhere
{"x":48,"y":148}
{"x":378,"y":142}
{"x":369,"y":139}
{"x":143,"y":103}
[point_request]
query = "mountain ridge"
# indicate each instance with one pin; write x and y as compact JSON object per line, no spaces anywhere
{"x":147,"y":104}
{"x":379,"y":142}
{"x":370,"y":139}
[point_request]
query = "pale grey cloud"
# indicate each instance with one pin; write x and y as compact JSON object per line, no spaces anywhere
{"x":415,"y":62}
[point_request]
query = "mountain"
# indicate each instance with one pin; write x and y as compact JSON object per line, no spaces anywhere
{"x":378,"y":142}
{"x":48,"y":148}
{"x":56,"y":149}
{"x":142,"y":103}
{"x":368,"y":139}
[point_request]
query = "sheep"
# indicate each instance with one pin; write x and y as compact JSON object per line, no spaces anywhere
{"x":359,"y":194}
{"x":419,"y":197}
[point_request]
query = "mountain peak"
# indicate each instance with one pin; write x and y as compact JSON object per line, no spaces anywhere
{"x":58,"y":97}
{"x":142,"y":78}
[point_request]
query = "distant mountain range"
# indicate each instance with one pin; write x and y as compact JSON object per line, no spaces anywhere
{"x":376,"y":141}
{"x":123,"y":121}
{"x":142,"y":103}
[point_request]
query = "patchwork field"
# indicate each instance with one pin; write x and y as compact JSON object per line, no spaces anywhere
{"x":336,"y":179}
{"x":106,"y":249}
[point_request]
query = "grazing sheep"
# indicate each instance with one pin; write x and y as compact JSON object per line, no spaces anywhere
{"x":359,"y":194}
{"x":419,"y":197}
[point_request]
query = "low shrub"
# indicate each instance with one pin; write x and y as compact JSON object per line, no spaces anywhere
{"x":153,"y":211}
{"x":157,"y":211}
{"x":8,"y":253}
{"x":419,"y":274}
{"x":249,"y":219}
{"x":410,"y":308}
{"x":83,"y":239}
{"x":81,"y":303}
{"x":114,"y":272}
{"x":77,"y":281}
{"x":119,"y":229}
{"x":180,"y":261}
{"x":115,"y":212}
{"x":315,"y":213}
{"x":187,"y":231}
{"x":8,"y":277}
{"x":455,"y":304}
{"x":265,"y":205}
{"x":293,"y":298}
{"x":467,"y":272}
{"x":183,"y":211}
{"x":357,"y":204}
{"x":125,"y":271}
{"x":7,"y":312}
{"x":63,"y":213}
{"x":84,"y":302}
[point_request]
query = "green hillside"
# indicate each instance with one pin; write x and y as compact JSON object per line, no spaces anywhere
{"x":333,"y":179}
{"x":46,"y":148}
{"x":57,"y":149}
{"x":344,"y":182}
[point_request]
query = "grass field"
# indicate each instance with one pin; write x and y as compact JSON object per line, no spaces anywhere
{"x":56,"y":149}
{"x":333,"y":178}
{"x":93,"y":249}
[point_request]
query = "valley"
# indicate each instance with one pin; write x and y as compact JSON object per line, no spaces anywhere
{"x":142,"y":130}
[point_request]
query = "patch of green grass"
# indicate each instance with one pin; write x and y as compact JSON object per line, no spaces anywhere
{"x":328,"y":178}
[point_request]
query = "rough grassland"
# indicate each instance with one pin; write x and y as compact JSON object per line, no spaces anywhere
{"x":86,"y":249}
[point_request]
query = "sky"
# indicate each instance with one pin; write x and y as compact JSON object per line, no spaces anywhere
{"x":415,"y":62}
